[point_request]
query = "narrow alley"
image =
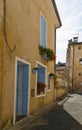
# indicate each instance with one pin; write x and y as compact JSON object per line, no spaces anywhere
{"x":64,"y":115}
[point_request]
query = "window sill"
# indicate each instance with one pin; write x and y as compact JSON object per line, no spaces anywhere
{"x":42,"y":95}
{"x":48,"y":90}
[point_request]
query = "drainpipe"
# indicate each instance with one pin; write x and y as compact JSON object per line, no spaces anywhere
{"x":68,"y":68}
{"x":68,"y":78}
{"x":54,"y":96}
{"x":73,"y":67}
{"x":5,"y":36}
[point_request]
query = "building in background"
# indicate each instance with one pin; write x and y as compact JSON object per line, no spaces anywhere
{"x":26,"y":28}
{"x":61,"y":86}
{"x":74,"y":64}
{"x":60,"y":68}
{"x":61,"y":74}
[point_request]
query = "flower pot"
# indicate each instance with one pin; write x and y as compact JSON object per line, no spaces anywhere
{"x":45,"y":57}
{"x":41,"y":92}
{"x":47,"y":53}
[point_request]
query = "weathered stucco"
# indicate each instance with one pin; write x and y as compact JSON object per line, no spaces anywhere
{"x":23,"y":30}
{"x":73,"y":66}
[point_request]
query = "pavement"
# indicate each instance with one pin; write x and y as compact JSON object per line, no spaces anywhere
{"x":62,"y":115}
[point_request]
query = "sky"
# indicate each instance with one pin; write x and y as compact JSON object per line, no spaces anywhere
{"x":70,"y":12}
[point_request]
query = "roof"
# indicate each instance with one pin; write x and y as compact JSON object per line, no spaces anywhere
{"x":77,"y":43}
{"x":60,"y":64}
{"x":56,"y":10}
{"x":60,"y":68}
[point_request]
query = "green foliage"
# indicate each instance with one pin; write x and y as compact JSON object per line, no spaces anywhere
{"x":49,"y":53}
{"x":40,"y":87}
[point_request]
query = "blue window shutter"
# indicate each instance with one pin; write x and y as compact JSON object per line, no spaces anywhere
{"x":43,"y":32}
{"x":48,"y":81}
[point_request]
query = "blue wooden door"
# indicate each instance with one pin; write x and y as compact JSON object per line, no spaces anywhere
{"x":25,"y":90}
{"x":22,"y":89}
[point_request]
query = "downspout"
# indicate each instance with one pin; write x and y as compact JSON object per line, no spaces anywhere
{"x":5,"y":36}
{"x":73,"y":67}
{"x":68,"y":68}
{"x":54,"y":96}
{"x":55,"y":32}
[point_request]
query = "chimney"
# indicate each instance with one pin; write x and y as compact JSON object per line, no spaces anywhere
{"x":70,"y":41}
{"x":75,"y":39}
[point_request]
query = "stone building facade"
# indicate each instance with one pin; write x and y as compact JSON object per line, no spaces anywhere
{"x":61,"y":86}
{"x":61,"y":74}
{"x":74,"y":64}
{"x":24,"y":26}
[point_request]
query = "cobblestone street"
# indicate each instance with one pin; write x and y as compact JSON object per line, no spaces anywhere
{"x":64,"y":115}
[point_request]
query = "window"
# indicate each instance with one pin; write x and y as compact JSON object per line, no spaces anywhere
{"x":79,"y":48}
{"x":41,"y":79}
{"x":79,"y":74}
{"x":43,"y":31}
{"x":80,"y":60}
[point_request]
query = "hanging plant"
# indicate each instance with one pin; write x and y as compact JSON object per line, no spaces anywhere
{"x":47,"y":53}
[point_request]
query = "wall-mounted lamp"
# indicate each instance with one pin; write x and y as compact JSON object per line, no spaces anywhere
{"x":34,"y":70}
{"x":51,"y":75}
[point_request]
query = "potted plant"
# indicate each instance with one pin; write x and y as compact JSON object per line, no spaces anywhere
{"x":40,"y":88}
{"x":47,"y":53}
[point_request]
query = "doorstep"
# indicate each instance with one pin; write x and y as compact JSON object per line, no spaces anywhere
{"x":28,"y":120}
